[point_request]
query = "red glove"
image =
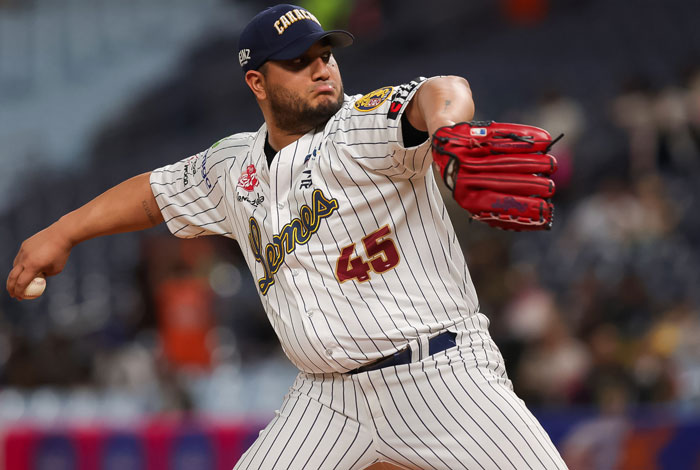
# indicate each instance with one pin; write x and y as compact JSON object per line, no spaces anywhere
{"x":498,"y":172}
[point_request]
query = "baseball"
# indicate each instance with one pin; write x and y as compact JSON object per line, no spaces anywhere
{"x":35,"y":288}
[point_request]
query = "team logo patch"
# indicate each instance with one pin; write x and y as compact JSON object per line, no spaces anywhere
{"x":247,"y":182}
{"x":248,"y":179}
{"x":374,"y":99}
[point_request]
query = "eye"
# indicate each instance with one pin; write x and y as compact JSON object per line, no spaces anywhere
{"x":326,"y":56}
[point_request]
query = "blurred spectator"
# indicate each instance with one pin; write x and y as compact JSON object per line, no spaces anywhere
{"x":560,"y":114}
{"x":629,"y":306}
{"x":553,"y":367}
{"x":676,"y":148}
{"x":661,"y":214}
{"x":632,"y":111}
{"x":612,"y":214}
{"x":607,"y":371}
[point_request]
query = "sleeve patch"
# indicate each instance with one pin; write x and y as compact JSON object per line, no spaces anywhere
{"x":373,"y":99}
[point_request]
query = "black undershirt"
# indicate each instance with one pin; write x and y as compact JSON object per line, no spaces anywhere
{"x":411,"y":135}
{"x":411,"y":138}
{"x":269,"y":152}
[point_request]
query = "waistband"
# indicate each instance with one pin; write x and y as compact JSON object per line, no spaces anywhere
{"x":436,"y":344}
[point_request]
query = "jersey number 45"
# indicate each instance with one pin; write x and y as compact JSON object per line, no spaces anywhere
{"x":381,"y":257}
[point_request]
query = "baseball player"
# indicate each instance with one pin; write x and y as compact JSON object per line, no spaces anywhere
{"x":337,"y":211}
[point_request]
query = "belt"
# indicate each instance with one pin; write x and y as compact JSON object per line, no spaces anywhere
{"x":436,"y":344}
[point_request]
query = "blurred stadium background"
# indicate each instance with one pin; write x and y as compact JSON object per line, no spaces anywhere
{"x":150,"y":352}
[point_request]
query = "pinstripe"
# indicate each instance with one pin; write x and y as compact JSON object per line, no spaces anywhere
{"x":384,"y":307}
{"x":192,"y":202}
{"x":401,"y":413}
{"x":394,"y":433}
{"x":431,"y":247}
{"x":459,"y":402}
{"x":326,"y":288}
{"x":438,"y":420}
{"x":165,"y":170}
{"x":446,"y":409}
{"x":413,"y":242}
{"x":525,"y":414}
{"x":488,"y":415}
{"x":251,"y":453}
{"x":357,"y":460}
{"x":318,"y":303}
{"x":345,"y":295}
{"x":446,"y":250}
{"x":308,"y":433}
{"x":180,"y":229}
{"x":398,"y":241}
{"x":297,"y":336}
{"x":359,"y":322}
{"x":383,"y":278}
{"x":506,"y":416}
{"x":338,"y":312}
{"x":284,"y":442}
{"x":520,"y":414}
{"x":441,"y":413}
{"x":333,"y":301}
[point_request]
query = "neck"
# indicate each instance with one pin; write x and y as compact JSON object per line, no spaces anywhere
{"x":279,"y":138}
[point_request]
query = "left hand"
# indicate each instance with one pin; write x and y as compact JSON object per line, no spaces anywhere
{"x":498,"y":172}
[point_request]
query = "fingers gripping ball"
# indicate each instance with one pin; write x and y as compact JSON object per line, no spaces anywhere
{"x":35,"y":288}
{"x":499,"y":172}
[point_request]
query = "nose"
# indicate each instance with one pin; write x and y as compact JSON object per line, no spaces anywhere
{"x":319,"y":69}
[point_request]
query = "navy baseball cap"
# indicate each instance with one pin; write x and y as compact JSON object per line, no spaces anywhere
{"x":283,"y":32}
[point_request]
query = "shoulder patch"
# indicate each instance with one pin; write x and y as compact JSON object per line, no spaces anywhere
{"x":398,"y":100}
{"x":373,"y":99}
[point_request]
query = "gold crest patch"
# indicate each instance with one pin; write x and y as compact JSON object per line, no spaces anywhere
{"x":373,"y":99}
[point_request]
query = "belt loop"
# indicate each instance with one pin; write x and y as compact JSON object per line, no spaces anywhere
{"x":423,"y":349}
{"x":415,"y":345}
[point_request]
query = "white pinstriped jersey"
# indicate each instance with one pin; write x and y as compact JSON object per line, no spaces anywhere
{"x":346,"y":232}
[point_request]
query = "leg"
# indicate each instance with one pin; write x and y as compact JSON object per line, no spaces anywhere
{"x":307,"y":434}
{"x":456,"y":410}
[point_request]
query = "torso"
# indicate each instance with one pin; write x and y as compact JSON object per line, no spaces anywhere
{"x":345,"y":233}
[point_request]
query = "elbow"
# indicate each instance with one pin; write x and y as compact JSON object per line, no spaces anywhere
{"x":454,"y":81}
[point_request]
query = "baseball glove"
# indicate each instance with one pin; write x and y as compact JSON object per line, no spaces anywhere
{"x":498,"y":172}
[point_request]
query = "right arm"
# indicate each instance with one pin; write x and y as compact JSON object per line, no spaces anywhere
{"x":127,"y":207}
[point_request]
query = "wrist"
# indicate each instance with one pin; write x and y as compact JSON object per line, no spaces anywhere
{"x":64,"y":230}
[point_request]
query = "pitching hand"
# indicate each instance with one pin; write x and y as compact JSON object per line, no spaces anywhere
{"x":45,"y":252}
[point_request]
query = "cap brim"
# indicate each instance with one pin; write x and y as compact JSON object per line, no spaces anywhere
{"x":335,"y":38}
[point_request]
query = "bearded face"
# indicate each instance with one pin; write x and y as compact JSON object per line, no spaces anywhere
{"x":298,"y":114}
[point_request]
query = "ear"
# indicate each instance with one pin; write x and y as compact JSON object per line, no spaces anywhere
{"x":256,"y":82}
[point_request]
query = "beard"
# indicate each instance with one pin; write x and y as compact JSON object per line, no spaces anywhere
{"x":295,"y":116}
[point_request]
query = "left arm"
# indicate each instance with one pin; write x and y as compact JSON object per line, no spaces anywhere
{"x":442,"y":101}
